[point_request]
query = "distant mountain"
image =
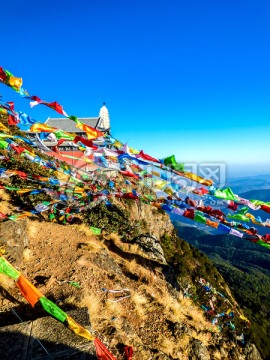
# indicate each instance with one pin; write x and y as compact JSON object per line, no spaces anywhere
{"x":262,"y":194}
{"x":244,"y":184}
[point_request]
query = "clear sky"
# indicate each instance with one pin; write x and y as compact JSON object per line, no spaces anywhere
{"x":185,"y":77}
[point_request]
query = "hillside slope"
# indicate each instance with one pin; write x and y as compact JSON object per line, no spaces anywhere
{"x":135,"y":284}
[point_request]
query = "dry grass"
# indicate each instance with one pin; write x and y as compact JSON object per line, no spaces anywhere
{"x":216,"y":355}
{"x":94,"y":306}
{"x":144,"y":275}
{"x":177,"y":349}
{"x":183,"y":346}
{"x":114,"y":237}
{"x":91,"y":245}
{"x":4,"y":196}
{"x":171,"y":305}
{"x":32,"y":229}
{"x":5,"y":207}
{"x":118,"y":242}
{"x":71,"y":300}
{"x":85,"y":229}
{"x":6,"y":282}
{"x":128,"y":248}
{"x":140,"y":304}
{"x":204,"y":337}
{"x":115,"y":309}
{"x":103,"y":314}
{"x":27,"y":255}
{"x":197,"y":318}
{"x":167,"y":346}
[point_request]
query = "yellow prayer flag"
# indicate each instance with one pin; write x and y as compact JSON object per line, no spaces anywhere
{"x":23,"y":191}
{"x":242,"y":317}
{"x":15,"y":82}
{"x":197,"y":178}
{"x":37,"y":127}
{"x":3,"y":127}
{"x":78,"y":329}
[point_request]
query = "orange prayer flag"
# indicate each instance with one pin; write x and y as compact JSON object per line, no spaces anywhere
{"x":28,"y":290}
{"x":214,"y":224}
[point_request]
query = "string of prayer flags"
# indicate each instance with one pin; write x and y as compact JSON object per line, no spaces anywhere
{"x":33,"y":295}
{"x":53,"y":105}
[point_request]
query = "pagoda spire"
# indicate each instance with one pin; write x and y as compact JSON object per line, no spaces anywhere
{"x":104,"y":118}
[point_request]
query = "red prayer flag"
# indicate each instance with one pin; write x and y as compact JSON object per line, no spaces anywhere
{"x":84,"y":141}
{"x":129,"y":352}
{"x":189,"y":213}
{"x":147,"y":157}
{"x":265,"y":208}
{"x":130,"y":174}
{"x":130,"y":196}
{"x":102,"y":352}
{"x":17,"y":148}
{"x":3,"y":216}
{"x":3,"y":75}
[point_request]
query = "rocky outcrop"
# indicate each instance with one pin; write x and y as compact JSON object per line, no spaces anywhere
{"x":151,"y":246}
{"x":198,"y":351}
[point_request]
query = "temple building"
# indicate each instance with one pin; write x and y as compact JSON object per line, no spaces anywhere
{"x":101,"y":123}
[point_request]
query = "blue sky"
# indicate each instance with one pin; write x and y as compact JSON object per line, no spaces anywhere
{"x":185,"y":77}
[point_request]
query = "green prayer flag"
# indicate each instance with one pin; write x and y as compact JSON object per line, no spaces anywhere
{"x":170,"y":161}
{"x":7,"y":269}
{"x":60,"y":134}
{"x":243,"y":210}
{"x":259,"y":202}
{"x":224,"y":194}
{"x":179,"y":167}
{"x":3,"y":144}
{"x":150,"y":197}
{"x":53,"y":309}
{"x":13,"y":217}
{"x":95,"y":231}
{"x":198,"y":216}
{"x":262,"y":243}
{"x":74,"y":118}
{"x":12,"y":188}
{"x":240,"y":217}
{"x":75,"y":284}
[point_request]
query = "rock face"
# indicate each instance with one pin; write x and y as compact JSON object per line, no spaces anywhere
{"x":44,"y":338}
{"x":198,"y":351}
{"x":14,"y":239}
{"x":151,"y":246}
{"x":251,"y":352}
{"x":156,"y":222}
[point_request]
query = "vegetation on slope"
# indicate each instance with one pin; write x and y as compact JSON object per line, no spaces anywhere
{"x":246,"y":269}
